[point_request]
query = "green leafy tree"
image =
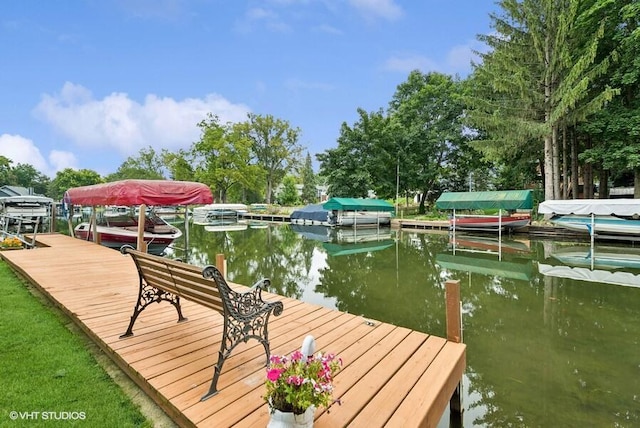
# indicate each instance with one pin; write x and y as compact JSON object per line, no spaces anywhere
{"x":372,"y":133}
{"x":289,"y":194}
{"x":6,"y":171}
{"x":223,"y":158}
{"x":427,"y":112}
{"x":26,"y":175}
{"x":274,"y":143}
{"x":343,"y":166}
{"x":178,"y":165}
{"x":419,"y":146}
{"x":23,"y":175}
{"x":148,"y":165}
{"x":69,"y":178}
{"x":309,"y":192}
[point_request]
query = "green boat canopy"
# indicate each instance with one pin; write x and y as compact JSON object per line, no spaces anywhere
{"x":501,"y":199}
{"x":354,"y":204}
{"x":511,"y":270}
{"x":361,"y":247}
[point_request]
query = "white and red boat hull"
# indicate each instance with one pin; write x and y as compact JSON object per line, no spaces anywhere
{"x":113,"y":236}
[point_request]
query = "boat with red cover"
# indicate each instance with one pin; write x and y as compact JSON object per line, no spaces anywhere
{"x":115,"y":231}
{"x":472,"y":243}
{"x":487,"y":223}
{"x":507,"y":203}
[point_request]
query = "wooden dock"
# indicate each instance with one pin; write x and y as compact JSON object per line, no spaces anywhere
{"x":441,"y":225}
{"x":392,"y":376}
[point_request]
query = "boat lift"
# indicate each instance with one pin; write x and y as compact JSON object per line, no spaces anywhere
{"x":591,"y":208}
{"x":12,"y":227}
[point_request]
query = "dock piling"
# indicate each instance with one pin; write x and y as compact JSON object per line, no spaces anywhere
{"x":454,"y":334}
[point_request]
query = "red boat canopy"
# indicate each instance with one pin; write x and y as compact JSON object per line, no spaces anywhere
{"x":137,"y":192}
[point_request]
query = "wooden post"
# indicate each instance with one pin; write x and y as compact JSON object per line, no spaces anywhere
{"x":454,"y":334}
{"x":454,"y":325}
{"x":221,"y":264}
{"x":70,"y":219}
{"x":141,"y":245}
{"x":93,"y":224}
{"x":52,"y":218}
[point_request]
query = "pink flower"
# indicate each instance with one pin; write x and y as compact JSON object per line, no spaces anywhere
{"x":295,"y":380}
{"x":274,"y":374}
{"x":277,"y":359}
{"x":296,"y":356}
{"x":325,"y":373}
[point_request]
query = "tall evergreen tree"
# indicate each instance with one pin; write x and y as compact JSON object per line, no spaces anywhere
{"x":538,"y":75}
{"x":615,"y":131}
{"x":309,"y":191}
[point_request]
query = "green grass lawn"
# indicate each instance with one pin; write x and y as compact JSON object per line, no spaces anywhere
{"x":48,"y":376}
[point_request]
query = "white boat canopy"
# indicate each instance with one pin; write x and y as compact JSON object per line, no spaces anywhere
{"x":627,"y":279}
{"x":225,"y":207}
{"x":621,"y":207}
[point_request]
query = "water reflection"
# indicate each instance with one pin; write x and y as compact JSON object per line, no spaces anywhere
{"x":543,"y":348}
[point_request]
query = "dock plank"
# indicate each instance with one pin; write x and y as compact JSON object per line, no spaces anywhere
{"x":392,"y":376}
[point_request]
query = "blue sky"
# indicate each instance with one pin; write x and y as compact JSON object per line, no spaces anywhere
{"x":87,"y":83}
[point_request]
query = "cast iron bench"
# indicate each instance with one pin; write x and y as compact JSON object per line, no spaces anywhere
{"x":246,"y":315}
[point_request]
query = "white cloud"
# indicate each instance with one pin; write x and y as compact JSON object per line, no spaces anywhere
{"x":298,"y":84}
{"x":22,"y":150}
{"x":260,"y":16}
{"x":456,"y":61}
{"x":164,"y":10}
{"x":459,"y":58}
{"x":119,"y":123}
{"x":329,"y":30}
{"x":60,"y":160}
{"x":258,"y":13}
{"x":373,"y":9}
{"x":406,"y":63}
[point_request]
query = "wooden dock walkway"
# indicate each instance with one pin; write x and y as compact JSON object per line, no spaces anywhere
{"x":392,"y":376}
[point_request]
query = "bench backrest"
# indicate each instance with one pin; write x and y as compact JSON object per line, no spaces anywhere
{"x":182,"y":279}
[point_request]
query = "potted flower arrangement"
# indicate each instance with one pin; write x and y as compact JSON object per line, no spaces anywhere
{"x":10,"y":243}
{"x":297,"y":384}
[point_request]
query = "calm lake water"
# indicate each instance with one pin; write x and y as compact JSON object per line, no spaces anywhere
{"x":551,"y":328}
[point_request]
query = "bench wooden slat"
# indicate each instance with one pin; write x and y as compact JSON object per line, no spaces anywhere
{"x":182,"y":280}
{"x":156,"y":274}
{"x":195,"y":286}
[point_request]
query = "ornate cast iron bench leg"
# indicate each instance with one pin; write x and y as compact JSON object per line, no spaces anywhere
{"x":246,"y":317}
{"x":148,"y":295}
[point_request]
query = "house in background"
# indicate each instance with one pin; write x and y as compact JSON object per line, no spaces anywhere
{"x":15,"y":191}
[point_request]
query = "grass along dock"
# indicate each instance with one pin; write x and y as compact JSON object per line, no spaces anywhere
{"x":392,"y":376}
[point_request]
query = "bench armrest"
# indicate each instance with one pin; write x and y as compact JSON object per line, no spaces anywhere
{"x":250,"y":302}
{"x":261,"y":284}
{"x":247,"y":304}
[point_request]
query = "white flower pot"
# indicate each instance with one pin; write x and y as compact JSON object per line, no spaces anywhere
{"x":290,"y":420}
